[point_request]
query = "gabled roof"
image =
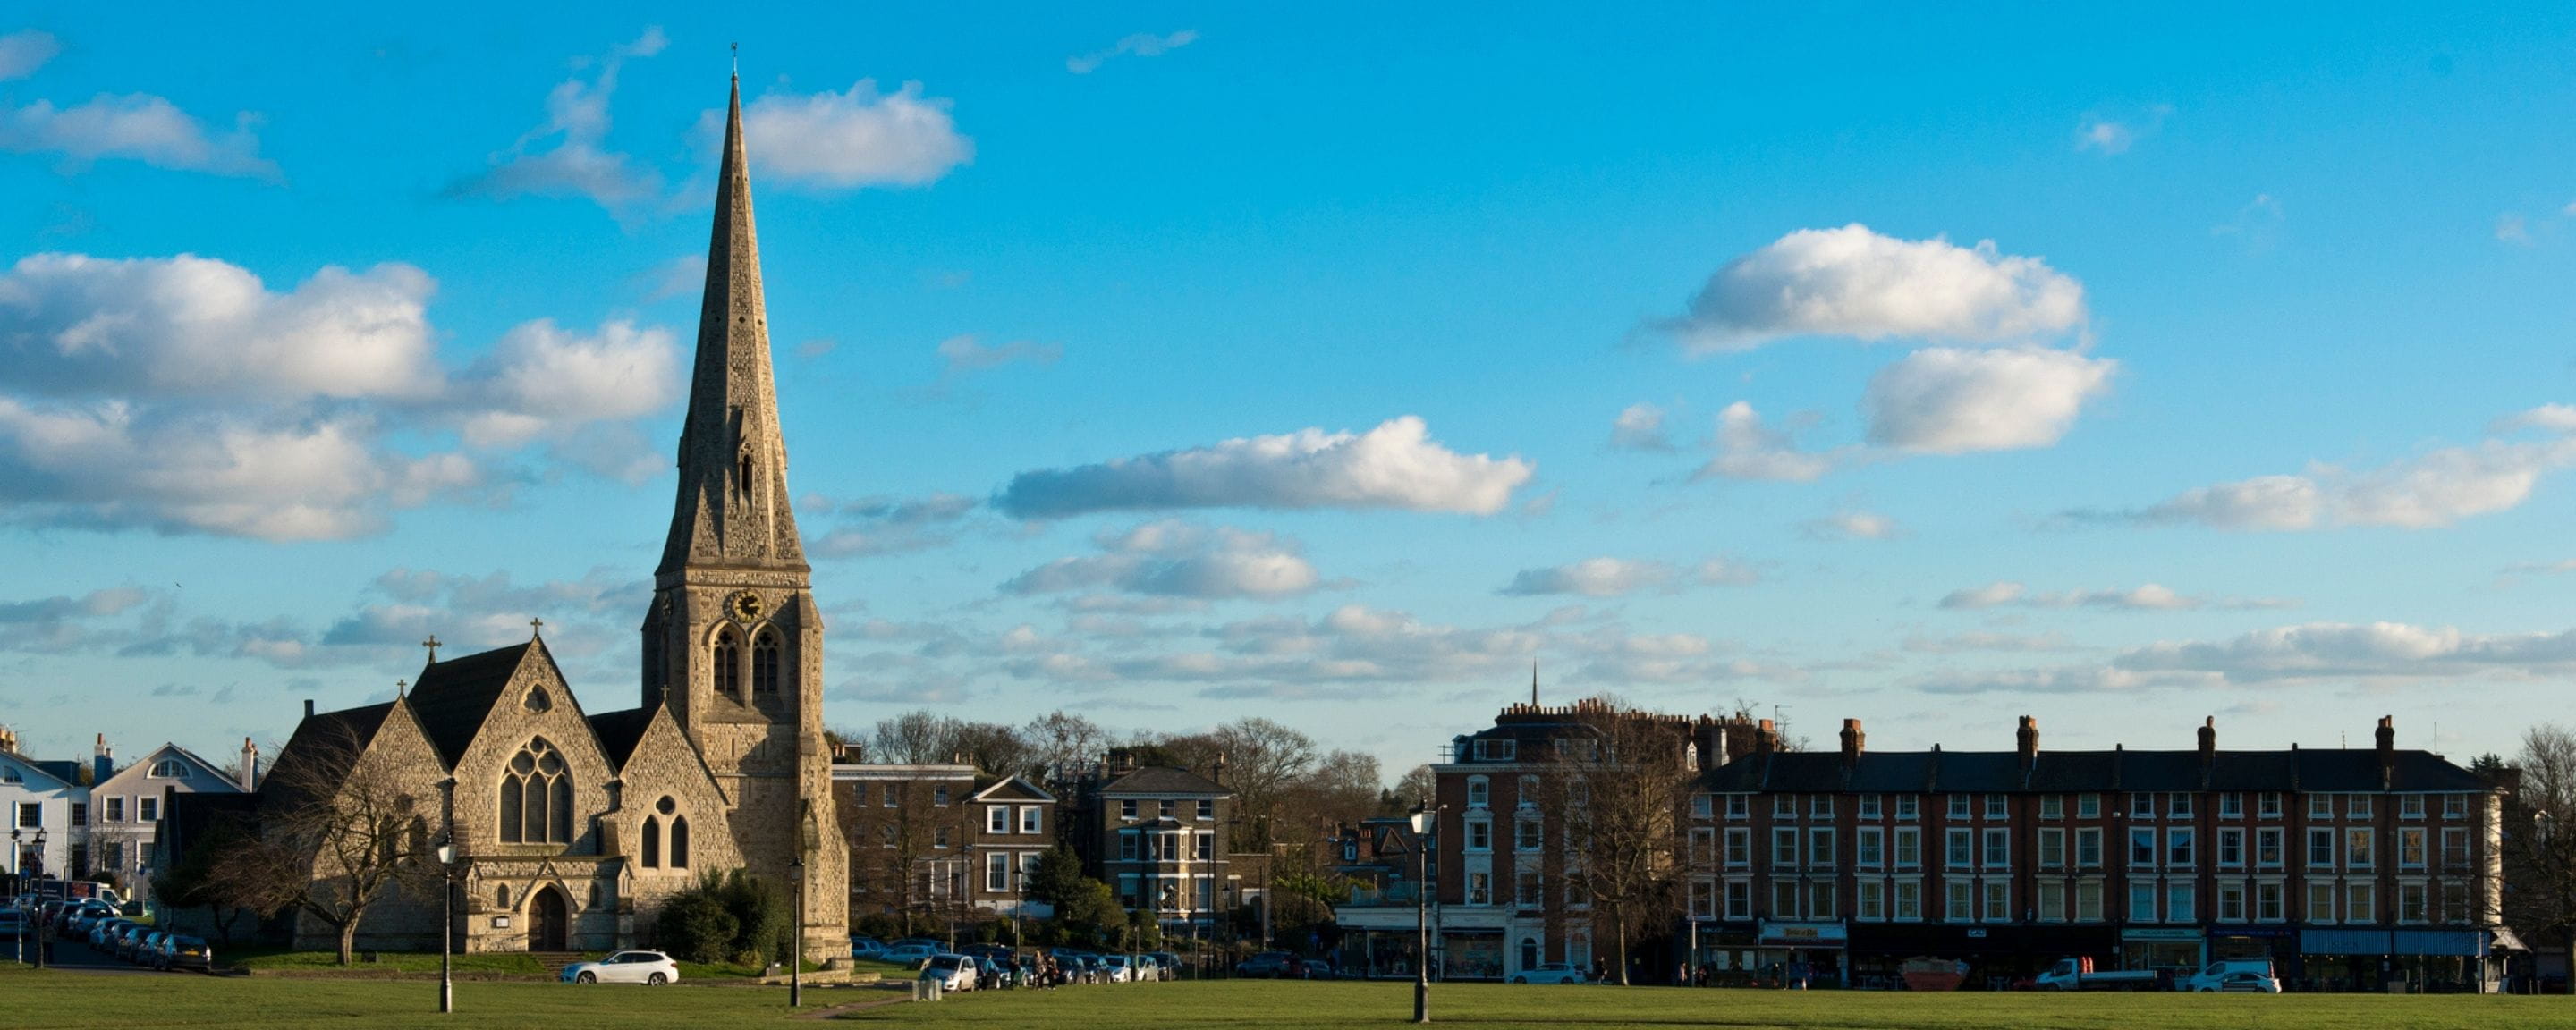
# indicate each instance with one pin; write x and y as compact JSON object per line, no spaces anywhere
{"x":1165,"y":780}
{"x":455,"y":696}
{"x":31,"y":768}
{"x":324,"y":747}
{"x":619,"y":732}
{"x":220,"y":774}
{"x":1013,"y":788}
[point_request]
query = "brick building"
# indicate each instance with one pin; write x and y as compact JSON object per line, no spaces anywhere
{"x":1156,"y":835}
{"x":2348,"y":868}
{"x":941,"y":841}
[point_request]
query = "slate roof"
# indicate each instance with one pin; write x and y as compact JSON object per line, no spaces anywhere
{"x":453,"y":697}
{"x":1164,"y":780}
{"x":2058,"y":772}
{"x":323,"y":748}
{"x":620,"y":732}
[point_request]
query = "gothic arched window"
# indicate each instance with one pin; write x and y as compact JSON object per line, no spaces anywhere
{"x":728,"y":665}
{"x":502,"y":895}
{"x":536,"y":797}
{"x":679,"y":842}
{"x":652,"y":843}
{"x":764,"y":664}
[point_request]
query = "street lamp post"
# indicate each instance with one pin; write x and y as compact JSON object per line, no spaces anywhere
{"x":1426,"y":818}
{"x":17,"y":941}
{"x":45,"y":929}
{"x":447,"y":926}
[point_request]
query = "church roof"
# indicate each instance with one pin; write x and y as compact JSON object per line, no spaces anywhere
{"x":323,"y":748}
{"x":453,"y":697}
{"x":733,"y":508}
{"x":619,"y":732}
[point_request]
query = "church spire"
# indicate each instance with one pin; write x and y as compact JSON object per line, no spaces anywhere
{"x":733,"y":508}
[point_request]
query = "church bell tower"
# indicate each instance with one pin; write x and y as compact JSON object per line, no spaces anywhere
{"x":733,"y":643}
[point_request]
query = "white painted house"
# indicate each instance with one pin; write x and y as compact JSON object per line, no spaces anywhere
{"x":40,"y":801}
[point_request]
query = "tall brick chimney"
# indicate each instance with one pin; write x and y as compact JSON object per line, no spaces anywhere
{"x":2386,"y":738}
{"x":1853,"y":740}
{"x":103,"y":762}
{"x":1765,"y":738}
{"x":2026,"y":742}
{"x":2208,"y":749}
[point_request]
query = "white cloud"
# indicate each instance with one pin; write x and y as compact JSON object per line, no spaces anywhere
{"x":1591,"y":577}
{"x":133,"y":126}
{"x":1396,"y":465}
{"x":577,"y":163}
{"x":889,"y":525}
{"x":1854,"y":525}
{"x":2108,"y":134}
{"x":24,"y":51}
{"x":1746,"y":449}
{"x":2437,"y":488}
{"x":1142,"y":44}
{"x":2384,"y":653}
{"x":2511,"y":228}
{"x":188,"y":325}
{"x":2149,"y":597}
{"x":542,"y":381}
{"x":965,"y":354}
{"x":2258,"y":222}
{"x":108,"y":465}
{"x":1170,"y":558}
{"x":1946,"y":400}
{"x":183,"y":395}
{"x":2552,"y":418}
{"x":848,"y":140}
{"x":1639,"y":427}
{"x":1854,"y":282}
{"x":1725,"y":572}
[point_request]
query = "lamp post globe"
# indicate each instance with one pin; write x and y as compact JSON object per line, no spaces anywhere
{"x":446,"y":855}
{"x":1425,"y":818}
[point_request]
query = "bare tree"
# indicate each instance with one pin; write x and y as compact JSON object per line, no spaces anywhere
{"x":896,"y":849}
{"x":916,"y":737}
{"x":1062,"y":745}
{"x":1418,"y":783}
{"x":339,"y":831}
{"x":2539,"y":835}
{"x":1615,"y":783}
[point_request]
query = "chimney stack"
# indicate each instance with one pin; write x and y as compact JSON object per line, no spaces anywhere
{"x":8,"y":740}
{"x":2208,"y":750}
{"x":308,"y":708}
{"x":2026,"y":743}
{"x":103,"y":763}
{"x":1853,"y":740}
{"x":1765,"y":738}
{"x":249,"y":775}
{"x":2387,"y":741}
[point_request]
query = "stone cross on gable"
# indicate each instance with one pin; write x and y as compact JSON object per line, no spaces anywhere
{"x":432,"y":645}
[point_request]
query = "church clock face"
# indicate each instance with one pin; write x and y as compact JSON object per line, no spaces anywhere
{"x":745,"y":606}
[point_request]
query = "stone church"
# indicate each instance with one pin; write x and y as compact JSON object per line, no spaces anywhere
{"x":574,"y":826}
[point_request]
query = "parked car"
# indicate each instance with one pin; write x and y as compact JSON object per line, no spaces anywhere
{"x":137,"y":945}
{"x":2244,"y":982}
{"x":1551,"y":973}
{"x":101,"y":933}
{"x":1316,"y":969}
{"x":2217,"y":976}
{"x":908,"y":955}
{"x":866,"y":947}
{"x":14,"y":923}
{"x":180,"y":951}
{"x":625,"y":967}
{"x":951,"y":972}
{"x":1272,"y":964}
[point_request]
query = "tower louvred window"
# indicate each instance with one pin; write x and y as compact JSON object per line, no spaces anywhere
{"x":728,"y":665}
{"x":764,"y":664}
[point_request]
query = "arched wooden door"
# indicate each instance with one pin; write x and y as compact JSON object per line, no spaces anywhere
{"x":549,"y":925}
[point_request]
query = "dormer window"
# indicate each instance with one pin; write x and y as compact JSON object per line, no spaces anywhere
{"x":169,"y":769}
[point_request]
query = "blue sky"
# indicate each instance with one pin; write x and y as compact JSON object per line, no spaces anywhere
{"x":1172,"y":365}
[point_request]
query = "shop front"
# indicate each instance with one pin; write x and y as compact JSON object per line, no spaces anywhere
{"x":1999,"y":956}
{"x":1471,"y":954}
{"x":2275,"y":944}
{"x":2183,"y":949}
{"x":1722,"y":954}
{"x":1821,"y":950}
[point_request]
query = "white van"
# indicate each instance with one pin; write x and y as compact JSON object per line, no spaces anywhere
{"x":2252,"y":975}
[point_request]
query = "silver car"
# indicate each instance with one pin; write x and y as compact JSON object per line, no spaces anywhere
{"x":625,"y":967}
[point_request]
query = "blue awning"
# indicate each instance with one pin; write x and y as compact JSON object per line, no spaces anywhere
{"x":2343,"y":942}
{"x":2439,"y":942}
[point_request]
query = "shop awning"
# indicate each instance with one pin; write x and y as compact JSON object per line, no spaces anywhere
{"x":2438,"y":942}
{"x":2343,"y":942}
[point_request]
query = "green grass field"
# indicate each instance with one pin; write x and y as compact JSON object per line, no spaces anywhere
{"x":57,"y":999}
